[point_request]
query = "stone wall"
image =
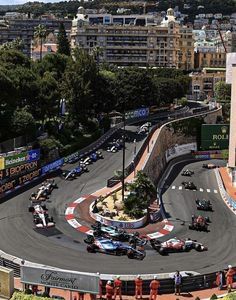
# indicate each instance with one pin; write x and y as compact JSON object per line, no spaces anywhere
{"x":156,"y":162}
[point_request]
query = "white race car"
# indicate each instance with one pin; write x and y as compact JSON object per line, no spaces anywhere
{"x":40,"y":216}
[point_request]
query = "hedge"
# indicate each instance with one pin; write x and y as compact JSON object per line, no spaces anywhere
{"x":23,"y":296}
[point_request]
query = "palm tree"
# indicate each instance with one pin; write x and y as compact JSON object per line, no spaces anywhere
{"x":40,"y":34}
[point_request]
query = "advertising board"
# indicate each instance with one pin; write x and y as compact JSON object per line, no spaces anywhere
{"x":18,"y":170}
{"x":137,"y":113}
{"x":21,"y":158}
{"x":72,"y":157}
{"x":66,"y":280}
{"x":2,"y":163}
{"x":214,"y":136}
{"x":52,"y":166}
{"x":178,"y":150}
{"x":11,"y":183}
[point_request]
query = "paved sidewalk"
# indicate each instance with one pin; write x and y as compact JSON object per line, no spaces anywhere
{"x":228,"y":183}
{"x":203,"y":294}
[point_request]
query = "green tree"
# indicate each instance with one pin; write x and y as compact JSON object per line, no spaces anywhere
{"x":23,"y":122}
{"x":142,"y":192}
{"x":223,"y":95}
{"x":79,"y":85}
{"x":12,"y":58}
{"x":16,"y":44}
{"x":40,"y":34}
{"x":62,"y":41}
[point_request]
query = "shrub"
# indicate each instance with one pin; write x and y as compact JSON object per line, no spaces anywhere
{"x":24,"y":296}
{"x":213,"y":297}
{"x":197,"y":298}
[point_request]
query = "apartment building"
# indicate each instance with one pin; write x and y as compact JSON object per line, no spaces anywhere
{"x":24,"y":30}
{"x":203,"y":82}
{"x":140,"y":40}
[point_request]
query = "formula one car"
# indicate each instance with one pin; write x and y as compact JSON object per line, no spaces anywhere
{"x":109,"y":246}
{"x":99,"y":154}
{"x":40,"y":216}
{"x":86,"y":161}
{"x":187,"y":173}
{"x":41,"y":195}
{"x":100,"y":230}
{"x":209,"y":166}
{"x":115,"y":233}
{"x":80,"y":170}
{"x":69,"y":175}
{"x":204,"y":204}
{"x":189,"y":185}
{"x":112,"y":149}
{"x":93,"y":156}
{"x":199,"y":223}
{"x":49,"y":185}
{"x":176,"y":245}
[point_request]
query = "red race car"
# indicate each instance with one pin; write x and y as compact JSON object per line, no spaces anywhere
{"x":176,"y":245}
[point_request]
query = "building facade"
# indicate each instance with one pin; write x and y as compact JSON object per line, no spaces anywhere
{"x":24,"y":30}
{"x":203,"y":83}
{"x":135,"y":39}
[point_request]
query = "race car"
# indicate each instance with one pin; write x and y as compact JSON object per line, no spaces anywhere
{"x":112,"y":149}
{"x":189,"y":185}
{"x":69,"y":175}
{"x":199,"y":223}
{"x":109,"y":246}
{"x":49,"y":185}
{"x":41,"y":194}
{"x":176,"y":245}
{"x":209,"y":166}
{"x":99,"y":155}
{"x":187,"y":173}
{"x":93,"y":156}
{"x":40,"y":216}
{"x":86,"y":161}
{"x":100,"y":230}
{"x":115,"y":233}
{"x":204,"y":204}
{"x":80,"y":170}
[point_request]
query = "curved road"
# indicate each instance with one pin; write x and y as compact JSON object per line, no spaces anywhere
{"x":63,"y":247}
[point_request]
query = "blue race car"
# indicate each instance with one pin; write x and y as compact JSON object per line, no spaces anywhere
{"x":93,"y":156}
{"x":68,"y":175}
{"x":109,"y":246}
{"x":80,"y":170}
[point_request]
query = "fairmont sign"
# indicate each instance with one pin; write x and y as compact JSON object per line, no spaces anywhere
{"x":66,"y":280}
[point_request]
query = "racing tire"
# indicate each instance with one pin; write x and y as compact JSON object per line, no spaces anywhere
{"x":130,"y":254}
{"x":91,"y":248}
{"x":190,"y":227}
{"x":184,"y":248}
{"x":197,"y":247}
{"x":89,"y":240}
{"x":162,"y":251}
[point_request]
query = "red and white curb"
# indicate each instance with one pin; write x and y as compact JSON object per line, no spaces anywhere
{"x":71,"y":219}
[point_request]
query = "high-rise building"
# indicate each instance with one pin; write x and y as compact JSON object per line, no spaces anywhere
{"x":140,"y":40}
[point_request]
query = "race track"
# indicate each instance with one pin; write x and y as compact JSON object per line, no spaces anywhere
{"x":63,"y":246}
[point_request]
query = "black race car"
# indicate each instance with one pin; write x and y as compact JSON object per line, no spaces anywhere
{"x":199,"y":223}
{"x":187,"y":173}
{"x":189,"y":185}
{"x":204,"y":204}
{"x":209,"y":166}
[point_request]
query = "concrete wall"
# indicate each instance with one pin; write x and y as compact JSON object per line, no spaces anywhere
{"x":166,"y":139}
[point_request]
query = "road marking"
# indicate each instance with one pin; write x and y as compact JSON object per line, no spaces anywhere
{"x":208,"y":190}
{"x":180,"y":187}
{"x":215,"y":191}
{"x":173,"y":187}
{"x":200,"y":190}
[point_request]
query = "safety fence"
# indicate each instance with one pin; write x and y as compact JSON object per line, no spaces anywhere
{"x":224,"y":194}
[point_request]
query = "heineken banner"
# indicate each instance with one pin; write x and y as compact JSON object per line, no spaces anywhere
{"x":214,"y":136}
{"x":21,"y":158}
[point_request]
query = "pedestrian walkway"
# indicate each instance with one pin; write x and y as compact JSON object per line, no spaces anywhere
{"x":202,"y":294}
{"x":228,"y":183}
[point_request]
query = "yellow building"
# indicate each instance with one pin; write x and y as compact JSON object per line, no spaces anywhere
{"x":135,"y":39}
{"x":203,"y":83}
{"x":209,"y":59}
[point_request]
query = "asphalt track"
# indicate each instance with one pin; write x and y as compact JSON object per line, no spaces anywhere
{"x":63,"y":246}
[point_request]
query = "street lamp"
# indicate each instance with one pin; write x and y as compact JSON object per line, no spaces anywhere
{"x":123,"y":160}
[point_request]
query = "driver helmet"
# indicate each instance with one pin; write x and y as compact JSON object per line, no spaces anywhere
{"x":118,"y":276}
{"x":139,"y":276}
{"x":155,"y":277}
{"x":229,"y":266}
{"x":109,"y":282}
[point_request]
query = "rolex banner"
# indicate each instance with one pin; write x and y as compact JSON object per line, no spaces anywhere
{"x":214,"y":136}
